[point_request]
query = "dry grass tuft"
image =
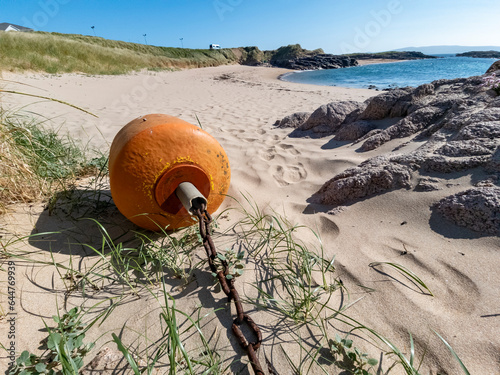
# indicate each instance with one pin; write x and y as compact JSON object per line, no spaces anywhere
{"x":36,"y":162}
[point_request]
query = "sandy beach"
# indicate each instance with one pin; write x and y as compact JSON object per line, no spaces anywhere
{"x":238,"y":105}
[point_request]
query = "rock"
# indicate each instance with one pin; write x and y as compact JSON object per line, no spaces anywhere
{"x":494,"y":163}
{"x":455,"y":122}
{"x":371,"y":177}
{"x":354,"y":130}
{"x":476,"y":130}
{"x":380,"y":106}
{"x":470,"y":147}
{"x":442,"y":164}
{"x":328,"y":118}
{"x":319,"y":61}
{"x":418,"y":120}
{"x":494,"y":67}
{"x":477,"y":209}
{"x":293,"y":121}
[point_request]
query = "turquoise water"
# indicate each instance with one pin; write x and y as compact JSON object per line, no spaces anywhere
{"x":398,"y":74}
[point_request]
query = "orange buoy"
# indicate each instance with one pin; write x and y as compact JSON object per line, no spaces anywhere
{"x":151,"y":156}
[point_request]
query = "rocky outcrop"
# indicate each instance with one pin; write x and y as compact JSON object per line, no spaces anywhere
{"x":494,"y":67}
{"x":481,"y":54}
{"x":320,"y":61}
{"x":295,"y":57}
{"x":455,"y":122}
{"x":477,"y":209}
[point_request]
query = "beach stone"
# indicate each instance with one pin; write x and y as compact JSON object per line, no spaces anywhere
{"x":293,"y":121}
{"x":380,"y":106}
{"x":328,"y":118}
{"x":374,"y":176}
{"x":477,"y":209}
{"x":354,"y":130}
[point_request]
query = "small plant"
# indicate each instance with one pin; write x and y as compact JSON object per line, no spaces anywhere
{"x":492,"y":82}
{"x":300,"y":281}
{"x":64,"y":349}
{"x":405,"y":272}
{"x":350,"y":358}
{"x":234,"y":263}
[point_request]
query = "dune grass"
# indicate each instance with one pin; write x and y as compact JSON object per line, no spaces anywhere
{"x":63,"y":53}
{"x":36,"y":161}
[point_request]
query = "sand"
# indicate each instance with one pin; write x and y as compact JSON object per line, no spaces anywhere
{"x":238,"y":106}
{"x":378,"y":61}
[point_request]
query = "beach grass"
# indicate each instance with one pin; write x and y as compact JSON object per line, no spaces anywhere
{"x":63,"y":53}
{"x":37,"y":162}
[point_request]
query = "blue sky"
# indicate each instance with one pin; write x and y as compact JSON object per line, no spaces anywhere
{"x":337,"y":26}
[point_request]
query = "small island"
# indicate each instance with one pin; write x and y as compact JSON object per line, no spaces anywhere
{"x":391,"y":55}
{"x":481,"y":54}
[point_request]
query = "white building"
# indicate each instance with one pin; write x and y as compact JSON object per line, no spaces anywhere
{"x":11,"y":27}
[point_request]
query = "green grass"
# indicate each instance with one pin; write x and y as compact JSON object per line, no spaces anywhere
{"x":36,"y":162}
{"x":62,"y":53}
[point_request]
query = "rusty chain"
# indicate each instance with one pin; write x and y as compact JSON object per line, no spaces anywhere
{"x":230,"y":291}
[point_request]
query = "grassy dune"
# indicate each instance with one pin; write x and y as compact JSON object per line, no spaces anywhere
{"x":64,"y":53}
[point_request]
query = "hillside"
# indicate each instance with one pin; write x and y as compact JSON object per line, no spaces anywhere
{"x":63,"y":53}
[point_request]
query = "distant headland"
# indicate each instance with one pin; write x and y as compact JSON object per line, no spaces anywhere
{"x":481,"y":54}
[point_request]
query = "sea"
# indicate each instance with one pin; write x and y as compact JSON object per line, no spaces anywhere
{"x":393,"y":75}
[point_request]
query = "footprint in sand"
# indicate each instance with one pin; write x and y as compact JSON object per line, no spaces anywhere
{"x":289,"y":174}
{"x":289,"y":148}
{"x":271,"y":152}
{"x":268,"y":154}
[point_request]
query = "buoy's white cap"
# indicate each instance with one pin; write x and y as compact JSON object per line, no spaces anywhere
{"x":190,"y":196}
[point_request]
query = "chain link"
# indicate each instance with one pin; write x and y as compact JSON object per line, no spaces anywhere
{"x":230,"y":291}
